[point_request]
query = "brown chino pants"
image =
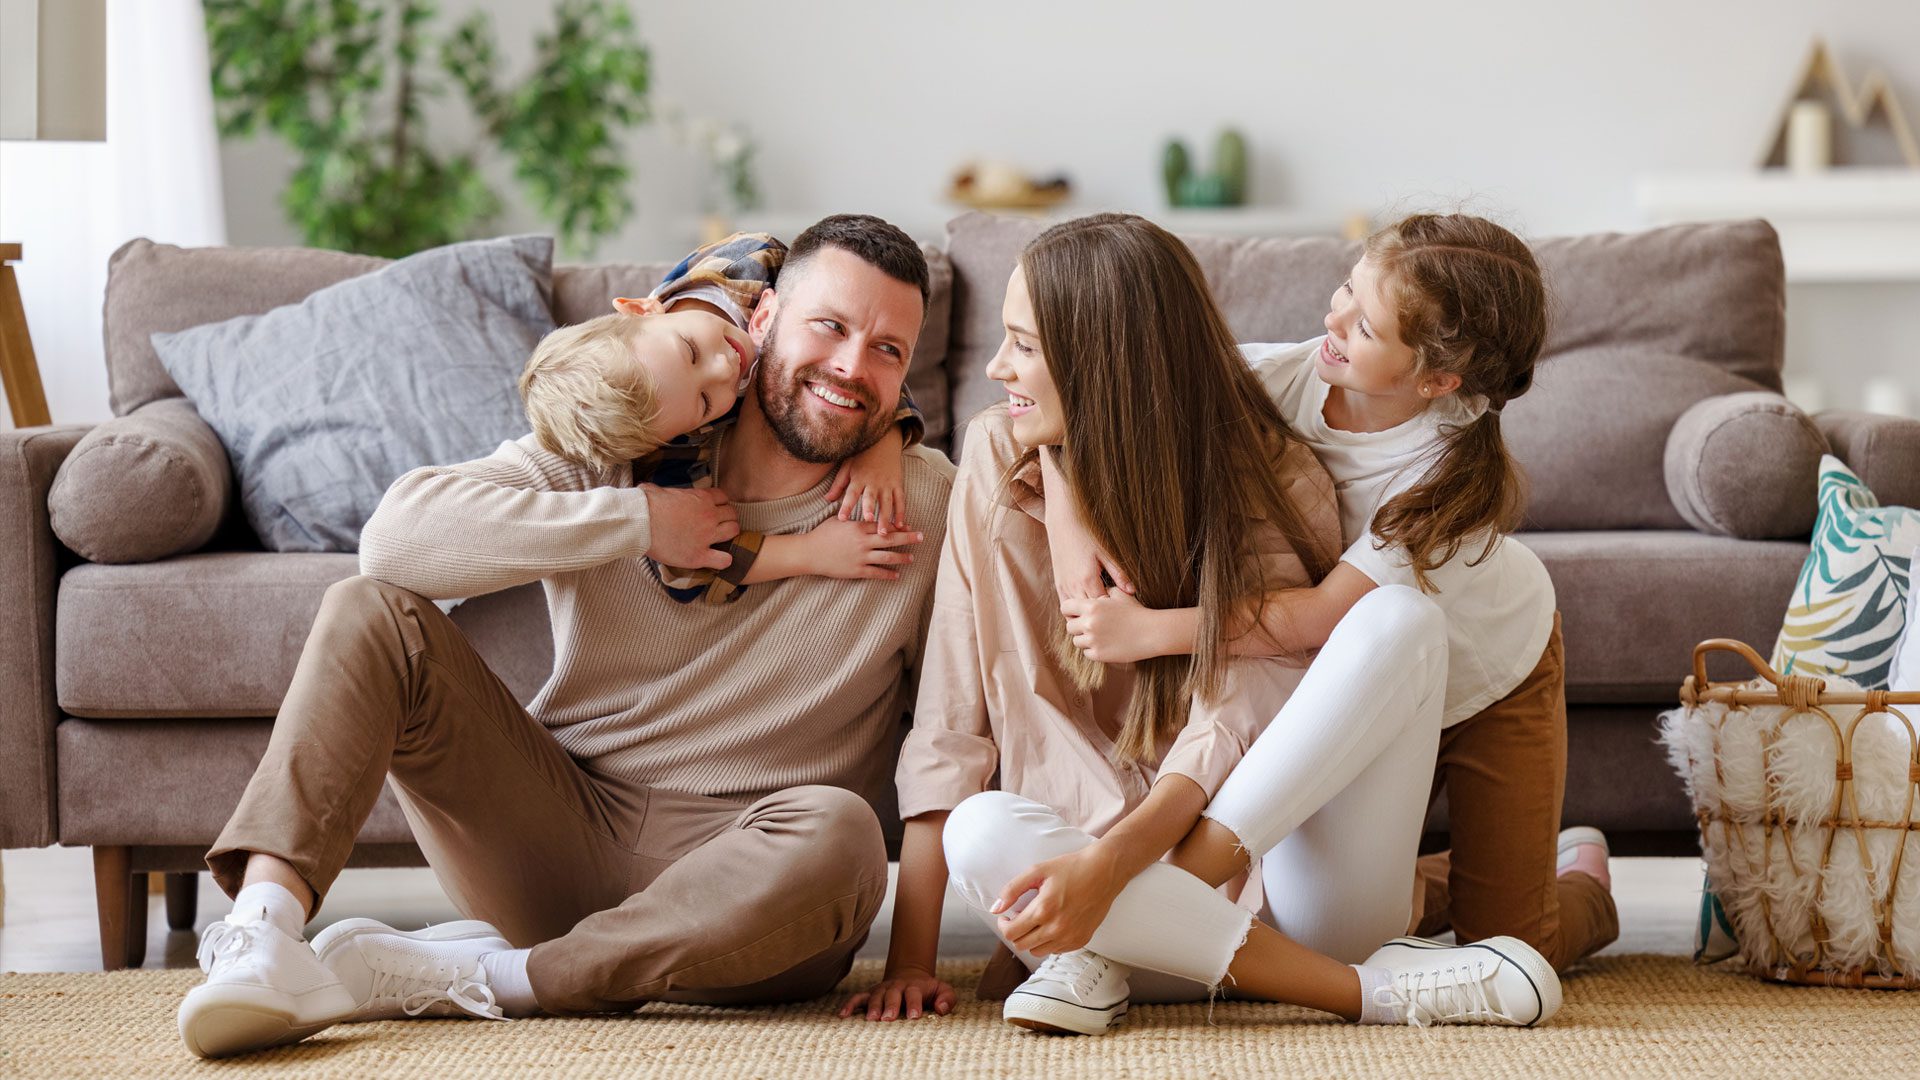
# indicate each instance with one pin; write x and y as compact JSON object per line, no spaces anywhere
{"x":1505,"y":772}
{"x":625,"y":893}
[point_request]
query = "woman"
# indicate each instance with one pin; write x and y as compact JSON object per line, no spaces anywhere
{"x":1120,"y":369}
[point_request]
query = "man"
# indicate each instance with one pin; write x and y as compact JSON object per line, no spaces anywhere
{"x":678,"y":814}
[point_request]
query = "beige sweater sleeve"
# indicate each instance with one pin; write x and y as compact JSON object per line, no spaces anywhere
{"x":516,"y":516}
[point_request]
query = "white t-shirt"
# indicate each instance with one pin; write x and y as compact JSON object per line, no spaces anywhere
{"x":1499,"y":612}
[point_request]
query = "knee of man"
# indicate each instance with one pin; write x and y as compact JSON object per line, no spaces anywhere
{"x":847,"y":828}
{"x":362,"y":593}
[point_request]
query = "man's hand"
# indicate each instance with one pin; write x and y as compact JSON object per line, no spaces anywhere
{"x":857,"y":549}
{"x":687,"y":522}
{"x":1114,"y":628}
{"x":908,"y":993}
{"x":1075,"y":893}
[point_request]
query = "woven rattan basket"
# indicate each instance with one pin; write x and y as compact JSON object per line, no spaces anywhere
{"x":1758,"y":853}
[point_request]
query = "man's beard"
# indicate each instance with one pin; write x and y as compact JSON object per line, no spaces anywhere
{"x":802,"y":433}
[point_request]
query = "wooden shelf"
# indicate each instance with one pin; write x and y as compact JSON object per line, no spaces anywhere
{"x":1847,"y":224}
{"x":931,"y":225}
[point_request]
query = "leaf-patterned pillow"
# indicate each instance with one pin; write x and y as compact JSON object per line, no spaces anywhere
{"x":1850,"y":604}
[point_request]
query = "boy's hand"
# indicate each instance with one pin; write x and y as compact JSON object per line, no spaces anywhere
{"x":908,"y":993}
{"x":873,"y":484}
{"x":1114,"y":628}
{"x":686,"y":523}
{"x":857,"y":549}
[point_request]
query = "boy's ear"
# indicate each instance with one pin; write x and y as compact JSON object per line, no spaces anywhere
{"x":646,"y":305}
{"x":764,"y":310}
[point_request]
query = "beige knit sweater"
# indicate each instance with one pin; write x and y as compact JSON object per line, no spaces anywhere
{"x":801,"y":681}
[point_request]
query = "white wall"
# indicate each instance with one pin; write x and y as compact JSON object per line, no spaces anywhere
{"x":1540,"y":114}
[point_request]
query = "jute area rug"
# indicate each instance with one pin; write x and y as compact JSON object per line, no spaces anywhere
{"x":1627,"y":1016}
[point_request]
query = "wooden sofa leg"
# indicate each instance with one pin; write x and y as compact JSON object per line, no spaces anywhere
{"x":121,"y":898}
{"x":183,"y":900}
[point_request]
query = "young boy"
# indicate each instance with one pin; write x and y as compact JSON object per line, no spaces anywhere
{"x":652,"y":383}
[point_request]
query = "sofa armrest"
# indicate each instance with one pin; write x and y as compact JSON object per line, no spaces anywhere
{"x":29,"y":575}
{"x":1883,"y":450}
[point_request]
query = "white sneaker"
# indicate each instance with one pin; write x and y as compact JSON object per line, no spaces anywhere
{"x":1572,"y":839}
{"x":1501,"y":980}
{"x":1071,"y":993}
{"x":395,"y":975}
{"x":263,"y":989}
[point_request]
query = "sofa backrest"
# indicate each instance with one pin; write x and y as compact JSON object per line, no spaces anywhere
{"x":1644,"y":325}
{"x":152,"y":288}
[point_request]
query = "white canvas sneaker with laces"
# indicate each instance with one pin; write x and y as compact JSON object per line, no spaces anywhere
{"x":395,"y":975}
{"x":1501,"y":980}
{"x":263,"y":989}
{"x":1070,"y":993}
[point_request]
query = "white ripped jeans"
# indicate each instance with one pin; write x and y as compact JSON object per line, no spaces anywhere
{"x":1331,"y":797}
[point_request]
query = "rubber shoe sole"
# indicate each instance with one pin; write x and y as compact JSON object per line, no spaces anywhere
{"x":1051,"y":1016}
{"x":1581,"y":834}
{"x":220,"y":1021}
{"x":1521,"y":956}
{"x":348,"y":929}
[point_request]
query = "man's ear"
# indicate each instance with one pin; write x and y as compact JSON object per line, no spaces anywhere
{"x":646,"y":305}
{"x":764,"y":311}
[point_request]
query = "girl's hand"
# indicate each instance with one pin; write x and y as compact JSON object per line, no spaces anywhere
{"x":1075,"y":893}
{"x":857,"y":549}
{"x":1112,"y":628}
{"x":873,"y":484}
{"x":908,"y":993}
{"x":1077,"y":558}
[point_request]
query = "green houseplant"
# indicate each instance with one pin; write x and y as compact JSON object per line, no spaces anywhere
{"x":343,"y":82}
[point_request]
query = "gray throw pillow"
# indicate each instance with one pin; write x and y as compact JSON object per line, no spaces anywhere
{"x":322,"y":404}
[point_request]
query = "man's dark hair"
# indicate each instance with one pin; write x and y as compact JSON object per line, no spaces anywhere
{"x":875,"y":242}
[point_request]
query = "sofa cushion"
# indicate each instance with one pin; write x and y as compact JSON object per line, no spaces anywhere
{"x":157,"y":288}
{"x":1592,"y":436}
{"x":143,"y":486}
{"x":1634,"y":604}
{"x":1849,"y":604}
{"x":324,"y":403}
{"x":1712,"y":297}
{"x":218,"y":634}
{"x":1745,"y":465}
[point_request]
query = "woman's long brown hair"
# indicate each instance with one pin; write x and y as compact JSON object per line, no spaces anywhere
{"x":1170,"y":447}
{"x":1470,"y":302}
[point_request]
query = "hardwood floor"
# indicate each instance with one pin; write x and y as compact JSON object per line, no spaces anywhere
{"x":50,"y":922}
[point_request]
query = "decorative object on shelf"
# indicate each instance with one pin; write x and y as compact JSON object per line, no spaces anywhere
{"x":727,"y":184}
{"x":996,"y":185}
{"x":1804,"y":139}
{"x":1226,"y":185}
{"x":345,"y":84}
{"x":1804,"y":792}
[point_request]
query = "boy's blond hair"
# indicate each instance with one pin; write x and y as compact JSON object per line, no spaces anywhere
{"x":579,"y":409}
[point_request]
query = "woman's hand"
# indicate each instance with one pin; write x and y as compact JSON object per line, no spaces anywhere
{"x":1078,"y":560}
{"x":1075,"y":893}
{"x":871,"y":485}
{"x":1113,"y":627}
{"x":909,"y":993}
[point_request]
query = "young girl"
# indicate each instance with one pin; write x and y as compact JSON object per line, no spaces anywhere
{"x":1437,"y":328}
{"x":1120,"y":370}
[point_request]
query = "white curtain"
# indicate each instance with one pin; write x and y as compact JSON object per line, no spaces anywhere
{"x":71,"y":204}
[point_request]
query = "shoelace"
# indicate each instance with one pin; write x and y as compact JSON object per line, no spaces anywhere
{"x":418,"y":986}
{"x":221,"y":943}
{"x":1461,"y":995}
{"x":1080,"y":969}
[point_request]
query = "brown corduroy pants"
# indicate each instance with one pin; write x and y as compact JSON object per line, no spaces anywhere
{"x":1505,"y":774}
{"x":625,"y":893}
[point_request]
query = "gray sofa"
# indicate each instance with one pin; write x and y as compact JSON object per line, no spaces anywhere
{"x":139,"y":695}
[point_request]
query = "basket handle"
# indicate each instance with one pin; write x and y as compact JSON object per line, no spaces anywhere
{"x":1740,"y":648}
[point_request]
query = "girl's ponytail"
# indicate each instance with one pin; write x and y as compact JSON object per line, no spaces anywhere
{"x":1471,"y":303}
